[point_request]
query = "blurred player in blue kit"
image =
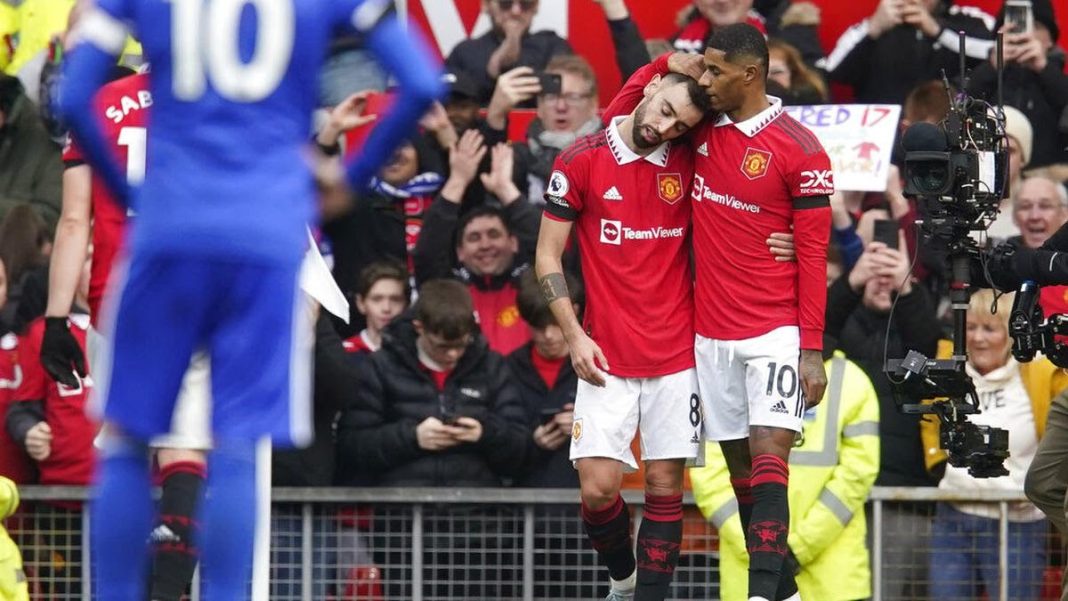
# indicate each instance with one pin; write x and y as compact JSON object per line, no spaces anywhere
{"x":213,"y":256}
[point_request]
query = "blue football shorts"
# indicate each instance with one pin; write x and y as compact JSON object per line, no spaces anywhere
{"x":250,"y":317}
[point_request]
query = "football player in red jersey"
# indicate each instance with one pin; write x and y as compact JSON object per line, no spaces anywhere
{"x":625,"y":191}
{"x":89,"y":213}
{"x":758,"y":348}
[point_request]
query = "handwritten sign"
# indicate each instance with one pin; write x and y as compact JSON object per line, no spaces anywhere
{"x":858,"y":138}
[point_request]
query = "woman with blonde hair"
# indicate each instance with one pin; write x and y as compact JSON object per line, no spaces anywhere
{"x":1015,"y":397}
{"x":785,"y":67}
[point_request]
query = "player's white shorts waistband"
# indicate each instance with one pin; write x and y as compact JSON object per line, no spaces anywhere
{"x":751,"y":382}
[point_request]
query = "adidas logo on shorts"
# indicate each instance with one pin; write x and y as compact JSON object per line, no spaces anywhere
{"x":780,"y":407}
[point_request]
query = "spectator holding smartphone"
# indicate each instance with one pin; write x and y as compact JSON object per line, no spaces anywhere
{"x":508,"y":44}
{"x":1034,"y":79}
{"x":435,"y":406}
{"x":547,"y":385}
{"x":858,"y":307}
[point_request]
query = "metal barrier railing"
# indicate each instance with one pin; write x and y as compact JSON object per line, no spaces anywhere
{"x":437,"y":544}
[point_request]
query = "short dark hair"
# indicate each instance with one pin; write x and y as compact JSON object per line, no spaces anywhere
{"x":481,"y":211}
{"x":740,"y":40}
{"x":698,"y":96}
{"x":445,"y":309}
{"x":386,"y":269}
{"x":531,"y":302}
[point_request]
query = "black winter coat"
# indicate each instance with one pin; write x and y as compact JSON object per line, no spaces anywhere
{"x":335,"y":379}
{"x":376,"y":432}
{"x":544,"y":469}
{"x":860,"y":333}
{"x":1042,"y":97}
{"x":886,"y":69}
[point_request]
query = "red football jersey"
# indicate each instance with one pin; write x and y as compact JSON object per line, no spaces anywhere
{"x":632,"y":216}
{"x":14,"y":462}
{"x":358,"y":343}
{"x":751,"y":180}
{"x":122,"y":106}
{"x":71,"y":460}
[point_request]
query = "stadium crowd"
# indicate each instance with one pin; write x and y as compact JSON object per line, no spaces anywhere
{"x":452,"y":371}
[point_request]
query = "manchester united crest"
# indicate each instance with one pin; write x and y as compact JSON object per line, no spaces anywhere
{"x":669,"y":186}
{"x":755,"y":164}
{"x":576,"y":429}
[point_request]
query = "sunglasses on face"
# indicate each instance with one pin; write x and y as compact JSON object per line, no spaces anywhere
{"x":524,"y":5}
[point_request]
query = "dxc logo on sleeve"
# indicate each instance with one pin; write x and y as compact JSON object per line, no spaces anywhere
{"x":817,"y":181}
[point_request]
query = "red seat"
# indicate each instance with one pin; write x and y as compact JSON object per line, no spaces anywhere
{"x":362,"y":583}
{"x":1051,"y":584}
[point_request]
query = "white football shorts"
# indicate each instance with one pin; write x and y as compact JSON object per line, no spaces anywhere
{"x":665,"y":409}
{"x":751,"y":382}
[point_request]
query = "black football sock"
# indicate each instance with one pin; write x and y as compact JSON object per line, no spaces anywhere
{"x":768,"y":530}
{"x":173,"y":538}
{"x":659,"y":538}
{"x":743,"y":492}
{"x":609,"y":531}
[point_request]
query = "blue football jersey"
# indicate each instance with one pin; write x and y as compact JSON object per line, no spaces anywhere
{"x":234,"y":84}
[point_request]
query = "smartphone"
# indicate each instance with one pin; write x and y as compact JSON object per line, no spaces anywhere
{"x":548,"y":415}
{"x":886,"y":232}
{"x":1019,"y":18}
{"x":550,"y":82}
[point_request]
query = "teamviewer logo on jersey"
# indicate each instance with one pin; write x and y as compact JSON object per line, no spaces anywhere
{"x":611,"y":231}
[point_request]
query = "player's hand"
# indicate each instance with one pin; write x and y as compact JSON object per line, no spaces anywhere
{"x":813,"y":377}
{"x":550,"y":437}
{"x":915,"y":14}
{"x":692,"y":65}
{"x":465,"y":156}
{"x":432,"y":435}
{"x":61,"y":355}
{"x":467,"y":429}
{"x":782,"y":248}
{"x":39,"y":441}
{"x":499,"y":180}
{"x":588,"y":359}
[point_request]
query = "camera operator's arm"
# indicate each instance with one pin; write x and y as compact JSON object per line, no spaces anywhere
{"x":1010,"y":265}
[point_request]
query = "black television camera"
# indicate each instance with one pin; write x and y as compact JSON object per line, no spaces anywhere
{"x":958,"y":171}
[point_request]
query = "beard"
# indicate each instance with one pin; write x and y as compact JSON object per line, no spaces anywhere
{"x":639,"y":125}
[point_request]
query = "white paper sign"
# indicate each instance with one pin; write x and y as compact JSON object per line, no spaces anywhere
{"x":858,"y":138}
